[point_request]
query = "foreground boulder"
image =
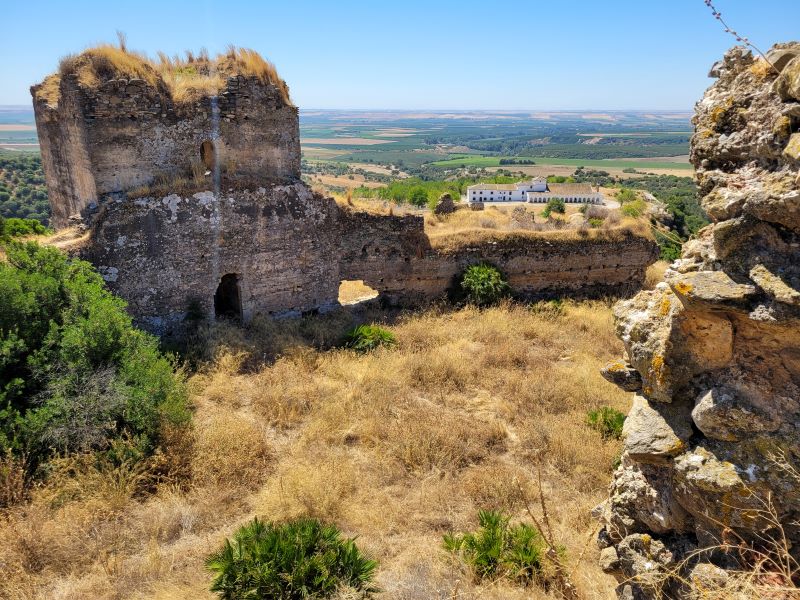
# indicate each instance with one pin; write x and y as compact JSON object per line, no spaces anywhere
{"x":712,"y":443}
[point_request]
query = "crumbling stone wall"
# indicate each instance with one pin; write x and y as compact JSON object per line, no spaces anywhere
{"x":712,"y":442}
{"x":393,"y":255}
{"x":167,"y":256}
{"x":127,"y":133}
{"x":289,"y":250}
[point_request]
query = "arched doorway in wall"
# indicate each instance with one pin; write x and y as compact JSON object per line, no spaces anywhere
{"x":208,"y":155}
{"x":227,"y":299}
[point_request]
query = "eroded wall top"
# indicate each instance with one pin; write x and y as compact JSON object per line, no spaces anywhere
{"x":113,"y":121}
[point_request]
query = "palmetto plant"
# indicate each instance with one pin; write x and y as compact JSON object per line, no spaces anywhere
{"x":499,"y":549}
{"x":368,"y":337}
{"x":301,"y":559}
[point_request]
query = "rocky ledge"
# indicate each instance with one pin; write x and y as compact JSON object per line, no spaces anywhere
{"x":710,"y":472}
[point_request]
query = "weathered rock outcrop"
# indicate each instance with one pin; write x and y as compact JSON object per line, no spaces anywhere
{"x":712,"y":443}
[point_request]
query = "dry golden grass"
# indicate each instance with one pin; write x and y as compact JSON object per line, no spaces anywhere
{"x":103,"y":62}
{"x":185,"y":80}
{"x":655,"y":274}
{"x":447,"y":239}
{"x":397,"y":446}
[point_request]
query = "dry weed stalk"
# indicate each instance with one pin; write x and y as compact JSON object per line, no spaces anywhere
{"x":562,"y":578}
{"x":739,"y":38}
{"x":768,"y":568}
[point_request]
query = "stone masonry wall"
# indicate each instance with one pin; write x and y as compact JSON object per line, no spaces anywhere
{"x":394,"y":256}
{"x":290,"y":249}
{"x":164,"y":255}
{"x":712,"y":442}
{"x":65,"y":157}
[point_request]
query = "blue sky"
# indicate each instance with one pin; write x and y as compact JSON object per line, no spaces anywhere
{"x":618,"y":54}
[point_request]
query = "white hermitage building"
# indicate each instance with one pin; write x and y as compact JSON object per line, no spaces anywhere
{"x":535,"y":190}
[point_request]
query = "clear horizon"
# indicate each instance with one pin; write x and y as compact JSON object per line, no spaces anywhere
{"x":444,"y":56}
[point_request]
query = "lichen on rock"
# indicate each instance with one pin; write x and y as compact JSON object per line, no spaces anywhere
{"x":712,"y":441}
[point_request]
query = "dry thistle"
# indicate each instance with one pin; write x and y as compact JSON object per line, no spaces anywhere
{"x":739,"y":38}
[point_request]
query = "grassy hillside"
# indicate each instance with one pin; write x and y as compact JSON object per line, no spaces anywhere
{"x":398,"y":446}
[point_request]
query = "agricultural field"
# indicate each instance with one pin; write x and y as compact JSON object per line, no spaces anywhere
{"x":494,"y":161}
{"x":17,"y":129}
{"x":443,"y":145}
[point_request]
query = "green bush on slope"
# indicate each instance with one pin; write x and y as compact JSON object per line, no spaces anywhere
{"x":75,"y":375}
{"x":484,"y":284}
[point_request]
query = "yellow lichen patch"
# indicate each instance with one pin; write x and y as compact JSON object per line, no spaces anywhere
{"x":719,"y":112}
{"x":782,"y":126}
{"x":665,"y":306}
{"x":616,"y":366}
{"x":683,"y":288}
{"x":657,"y":367}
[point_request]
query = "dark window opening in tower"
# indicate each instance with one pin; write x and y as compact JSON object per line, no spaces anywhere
{"x":227,"y":300}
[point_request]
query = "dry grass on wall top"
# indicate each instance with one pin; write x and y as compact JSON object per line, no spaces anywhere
{"x":185,"y":80}
{"x":396,"y":446}
{"x":447,"y":240}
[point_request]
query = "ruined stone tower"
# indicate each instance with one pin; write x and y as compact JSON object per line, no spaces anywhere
{"x":192,"y":194}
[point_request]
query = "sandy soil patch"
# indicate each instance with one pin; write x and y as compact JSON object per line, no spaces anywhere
{"x":638,"y":134}
{"x":350,"y":141}
{"x":353,"y":292}
{"x":345,"y":181}
{"x":320,"y":153}
{"x":380,"y":170}
{"x":566,"y":170}
{"x":683,"y":158}
{"x":20,"y":147}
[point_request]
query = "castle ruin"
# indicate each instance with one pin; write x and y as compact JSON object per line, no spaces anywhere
{"x":193,"y":201}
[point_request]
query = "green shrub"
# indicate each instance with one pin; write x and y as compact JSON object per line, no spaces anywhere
{"x":595,"y":221}
{"x":625,"y":195}
{"x":669,"y":245}
{"x":608,"y":421}
{"x":75,"y":375}
{"x":634,"y":208}
{"x":554,"y":308}
{"x":299,"y":559}
{"x":15,"y":227}
{"x":554,"y":205}
{"x":484,"y":284}
{"x":368,"y":337}
{"x":497,"y":549}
